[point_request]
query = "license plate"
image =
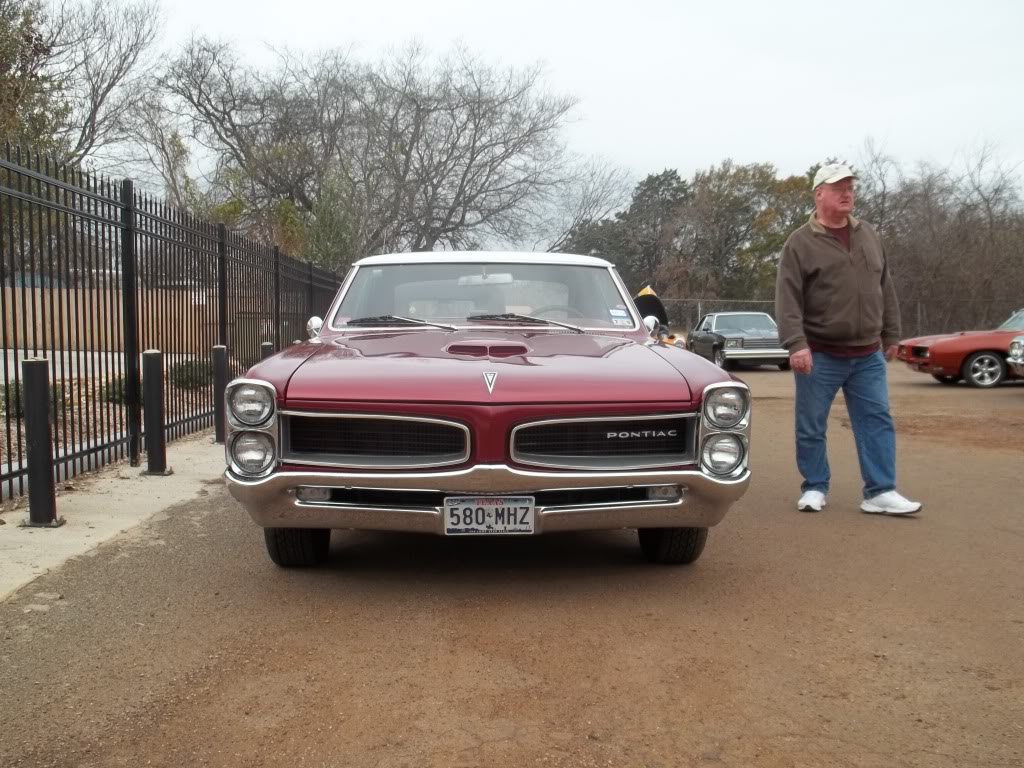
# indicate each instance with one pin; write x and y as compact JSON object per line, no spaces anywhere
{"x":485,"y":515}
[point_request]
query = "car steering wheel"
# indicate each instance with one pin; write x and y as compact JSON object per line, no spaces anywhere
{"x":558,"y":308}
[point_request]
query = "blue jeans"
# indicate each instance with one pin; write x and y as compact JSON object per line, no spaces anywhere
{"x":865,"y":387}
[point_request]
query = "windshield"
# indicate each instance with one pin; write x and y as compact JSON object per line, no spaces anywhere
{"x":1015,"y":323}
{"x":755,"y":321}
{"x":453,"y":293}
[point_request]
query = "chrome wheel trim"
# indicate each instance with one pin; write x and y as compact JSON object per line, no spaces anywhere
{"x":720,"y":358}
{"x":986,"y":370}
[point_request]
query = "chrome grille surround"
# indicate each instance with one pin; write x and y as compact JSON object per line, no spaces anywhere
{"x":364,"y":460}
{"x":612,"y":461}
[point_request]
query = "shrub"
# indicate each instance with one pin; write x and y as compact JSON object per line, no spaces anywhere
{"x":115,"y":391}
{"x":192,"y":374}
{"x":13,"y":400}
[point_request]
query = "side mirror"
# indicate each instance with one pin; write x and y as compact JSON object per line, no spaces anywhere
{"x":652,"y":325}
{"x":313,"y":326}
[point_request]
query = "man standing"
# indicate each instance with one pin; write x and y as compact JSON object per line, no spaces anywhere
{"x":839,"y":319}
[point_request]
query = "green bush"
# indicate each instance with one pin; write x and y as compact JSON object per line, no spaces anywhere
{"x":13,"y":400}
{"x":192,"y":374}
{"x":115,"y":391}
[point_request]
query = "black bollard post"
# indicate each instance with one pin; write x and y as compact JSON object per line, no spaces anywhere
{"x":153,"y":413}
{"x":42,"y":497}
{"x":266,"y":349}
{"x":220,"y":385}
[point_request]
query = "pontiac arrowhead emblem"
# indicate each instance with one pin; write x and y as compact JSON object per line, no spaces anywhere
{"x":489,"y":378}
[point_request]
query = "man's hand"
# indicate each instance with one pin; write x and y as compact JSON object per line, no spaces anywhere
{"x":890,"y":352}
{"x":801,"y":362}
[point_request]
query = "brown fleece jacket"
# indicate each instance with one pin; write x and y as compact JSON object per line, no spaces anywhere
{"x":827,"y":295}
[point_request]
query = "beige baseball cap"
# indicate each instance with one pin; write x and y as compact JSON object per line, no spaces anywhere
{"x":831,"y":173}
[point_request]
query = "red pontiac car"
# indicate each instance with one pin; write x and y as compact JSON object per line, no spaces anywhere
{"x":486,"y":394}
{"x":976,"y":357}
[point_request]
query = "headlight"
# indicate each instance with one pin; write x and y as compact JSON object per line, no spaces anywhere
{"x":1017,"y":349}
{"x":251,"y":404}
{"x":725,"y":407}
{"x":252,"y":452}
{"x":733,"y":343}
{"x":722,"y":453}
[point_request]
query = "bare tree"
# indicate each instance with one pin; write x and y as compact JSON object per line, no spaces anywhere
{"x":79,"y":71}
{"x":423,"y":154}
{"x":594,"y":190}
{"x":274,"y":138}
{"x":475,"y":147}
{"x":952,"y":237}
{"x":105,"y":72}
{"x":161,"y":153}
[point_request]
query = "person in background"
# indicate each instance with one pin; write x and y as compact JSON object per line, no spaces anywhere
{"x":839,"y":319}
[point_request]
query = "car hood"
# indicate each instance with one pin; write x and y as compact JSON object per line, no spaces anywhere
{"x":748,"y":334}
{"x":927,"y":341}
{"x":522,"y":367}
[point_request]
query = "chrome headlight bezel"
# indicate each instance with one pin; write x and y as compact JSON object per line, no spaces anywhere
{"x":716,"y":393}
{"x":269,"y":394}
{"x":734,"y":343}
{"x":738,"y":431}
{"x":1017,"y":349}
{"x":738,"y":444}
{"x":271,"y":454}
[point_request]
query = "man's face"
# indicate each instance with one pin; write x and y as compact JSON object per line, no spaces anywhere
{"x":835,"y":199}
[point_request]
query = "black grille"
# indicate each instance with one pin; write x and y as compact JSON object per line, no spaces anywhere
{"x":373,"y":438}
{"x":606,"y":439}
{"x":919,"y":351}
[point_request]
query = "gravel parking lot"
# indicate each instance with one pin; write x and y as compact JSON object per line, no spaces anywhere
{"x":798,"y":640}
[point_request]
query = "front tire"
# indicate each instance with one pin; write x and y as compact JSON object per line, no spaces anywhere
{"x":984,"y":370}
{"x":672,"y":546}
{"x":297,"y":547}
{"x":718,"y":358}
{"x":784,"y":366}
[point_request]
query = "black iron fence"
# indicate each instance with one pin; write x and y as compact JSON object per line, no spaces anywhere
{"x":92,"y":273}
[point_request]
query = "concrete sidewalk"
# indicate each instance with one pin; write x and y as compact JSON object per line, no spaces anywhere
{"x":101,"y":505}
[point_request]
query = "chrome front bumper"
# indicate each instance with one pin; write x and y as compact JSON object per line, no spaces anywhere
{"x":272,"y":503}
{"x":1016,"y":365}
{"x":739,"y":353}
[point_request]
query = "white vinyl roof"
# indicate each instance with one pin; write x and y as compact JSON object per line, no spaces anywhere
{"x":495,"y":257}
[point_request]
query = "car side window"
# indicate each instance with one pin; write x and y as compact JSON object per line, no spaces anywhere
{"x":702,"y":324}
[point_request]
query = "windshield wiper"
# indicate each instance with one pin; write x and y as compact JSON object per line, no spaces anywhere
{"x":515,"y":317}
{"x":397,"y":320}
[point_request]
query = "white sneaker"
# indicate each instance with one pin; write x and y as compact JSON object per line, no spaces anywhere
{"x":890,"y":503}
{"x":812,"y":501}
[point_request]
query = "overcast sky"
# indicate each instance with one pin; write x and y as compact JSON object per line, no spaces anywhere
{"x":683,"y":85}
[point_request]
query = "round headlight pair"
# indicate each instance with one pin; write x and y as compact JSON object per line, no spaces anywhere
{"x":252,"y":452}
{"x":1017,"y":349}
{"x":722,"y":453}
{"x":726,"y":407}
{"x":251,"y":404}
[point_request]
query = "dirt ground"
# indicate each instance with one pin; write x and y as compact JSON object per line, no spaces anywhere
{"x":798,"y":640}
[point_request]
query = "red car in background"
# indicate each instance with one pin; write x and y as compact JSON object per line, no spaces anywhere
{"x":976,"y":357}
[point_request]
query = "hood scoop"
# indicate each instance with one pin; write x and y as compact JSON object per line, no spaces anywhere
{"x":487,"y":349}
